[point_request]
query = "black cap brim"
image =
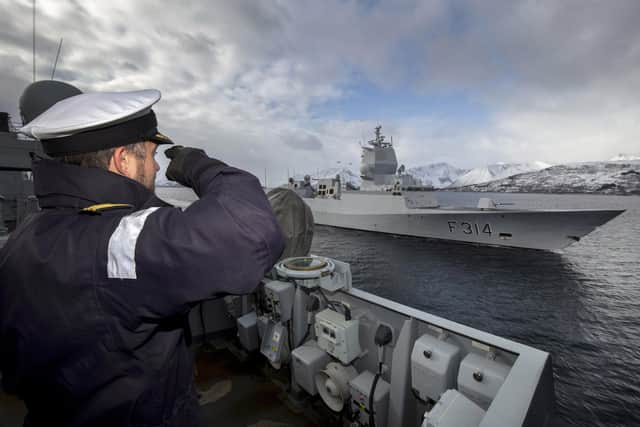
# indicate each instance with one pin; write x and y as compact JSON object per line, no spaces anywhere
{"x":143,"y":128}
{"x":160,"y":139}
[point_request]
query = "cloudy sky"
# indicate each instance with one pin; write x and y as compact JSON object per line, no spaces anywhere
{"x":298,"y":84}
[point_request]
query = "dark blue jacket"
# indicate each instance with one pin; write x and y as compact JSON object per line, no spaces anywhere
{"x":93,"y":304}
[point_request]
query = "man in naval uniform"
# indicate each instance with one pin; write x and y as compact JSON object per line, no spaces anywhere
{"x":307,"y":188}
{"x":95,"y":288}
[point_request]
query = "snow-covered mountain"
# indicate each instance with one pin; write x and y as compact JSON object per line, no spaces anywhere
{"x":625,"y":157}
{"x":497,"y":171}
{"x":617,"y":176}
{"x":613,"y":177}
{"x":439,"y":175}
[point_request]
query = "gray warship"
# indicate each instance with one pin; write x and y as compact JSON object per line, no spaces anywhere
{"x":307,"y":348}
{"x":390,"y":201}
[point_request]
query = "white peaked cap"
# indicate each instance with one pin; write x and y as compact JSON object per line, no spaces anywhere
{"x":89,"y":111}
{"x":94,"y":121}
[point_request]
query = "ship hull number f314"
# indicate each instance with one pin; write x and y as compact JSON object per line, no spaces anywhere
{"x":469,"y":228}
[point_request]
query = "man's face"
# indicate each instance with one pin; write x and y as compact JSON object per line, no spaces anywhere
{"x":146,"y":167}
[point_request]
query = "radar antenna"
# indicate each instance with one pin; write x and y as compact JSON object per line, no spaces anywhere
{"x":379,"y":141}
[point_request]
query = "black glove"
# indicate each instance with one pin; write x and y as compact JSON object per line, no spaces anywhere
{"x":187,"y":164}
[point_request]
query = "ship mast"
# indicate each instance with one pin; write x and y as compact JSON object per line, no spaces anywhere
{"x":379,"y":141}
{"x":34,"y":40}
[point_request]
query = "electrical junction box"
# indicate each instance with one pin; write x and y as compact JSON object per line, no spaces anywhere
{"x":337,"y":336}
{"x":247,"y":326}
{"x":434,"y":365}
{"x":273,"y":342}
{"x":279,"y":299}
{"x":480,"y":378}
{"x":340,"y":279}
{"x":360,"y":392}
{"x":308,"y":360}
{"x":453,"y":410}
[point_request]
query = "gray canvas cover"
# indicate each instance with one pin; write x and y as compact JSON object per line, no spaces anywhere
{"x":296,"y":221}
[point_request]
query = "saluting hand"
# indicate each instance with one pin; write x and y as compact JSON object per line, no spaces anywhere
{"x":187,"y":163}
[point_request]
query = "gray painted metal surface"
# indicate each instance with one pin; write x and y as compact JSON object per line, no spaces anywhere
{"x":14,"y":152}
{"x":378,"y":160}
{"x":16,"y":185}
{"x":525,"y":398}
{"x":386,"y":213}
{"x":401,"y":402}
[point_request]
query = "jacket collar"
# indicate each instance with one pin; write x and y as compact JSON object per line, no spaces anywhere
{"x":61,"y":185}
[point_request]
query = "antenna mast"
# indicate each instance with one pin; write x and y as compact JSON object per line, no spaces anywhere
{"x":55,"y":64}
{"x":34,"y":40}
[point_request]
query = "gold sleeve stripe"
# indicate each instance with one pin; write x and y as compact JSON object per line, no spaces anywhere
{"x":105,"y":206}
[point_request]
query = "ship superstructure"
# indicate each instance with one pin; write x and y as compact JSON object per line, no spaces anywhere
{"x":378,"y":161}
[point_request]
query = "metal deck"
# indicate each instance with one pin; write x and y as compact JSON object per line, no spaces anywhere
{"x":237,"y":390}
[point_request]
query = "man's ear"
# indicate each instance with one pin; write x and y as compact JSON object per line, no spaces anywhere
{"x":119,"y":162}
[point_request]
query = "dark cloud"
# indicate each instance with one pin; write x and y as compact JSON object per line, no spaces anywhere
{"x":530,"y":46}
{"x":261,"y":17}
{"x":78,"y":10}
{"x":253,"y":26}
{"x":245,"y":67}
{"x":12,"y":83}
{"x":195,"y":43}
{"x":303,"y":142}
{"x":187,"y":77}
{"x":131,"y":55}
{"x":67,"y":75}
{"x":12,"y":31}
{"x":16,"y":33}
{"x":120,"y":29}
{"x":130,"y":66}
